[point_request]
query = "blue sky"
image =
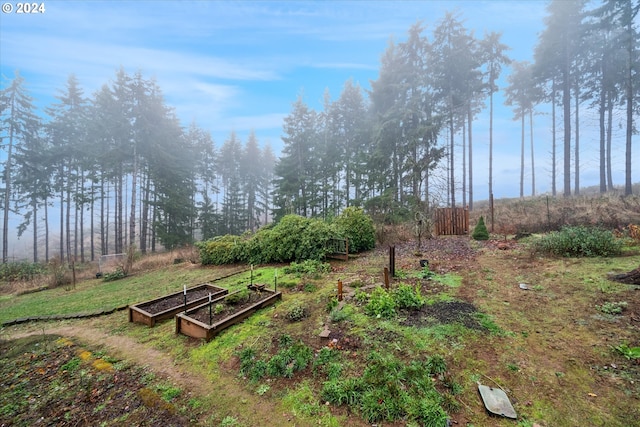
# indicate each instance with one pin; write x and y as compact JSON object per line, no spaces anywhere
{"x":240,"y":65}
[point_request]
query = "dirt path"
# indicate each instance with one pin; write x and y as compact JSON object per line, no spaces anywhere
{"x":126,"y":348}
{"x":164,"y":366}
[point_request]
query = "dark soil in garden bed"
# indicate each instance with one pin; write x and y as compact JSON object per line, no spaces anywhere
{"x":54,"y":382}
{"x":443,"y":312}
{"x":175,"y":301}
{"x":224,"y":309}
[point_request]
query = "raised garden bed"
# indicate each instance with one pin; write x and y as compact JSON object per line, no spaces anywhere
{"x":163,"y":308}
{"x":209,"y":319}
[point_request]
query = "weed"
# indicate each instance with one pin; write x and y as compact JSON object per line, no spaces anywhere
{"x":297,"y":313}
{"x":337,"y":316}
{"x":285,"y":340}
{"x":237,"y":297}
{"x":262,"y":389}
{"x":436,"y":364}
{"x":309,"y":287}
{"x":361,"y":296}
{"x":229,"y":421}
{"x":408,"y":297}
{"x":168,"y":393}
{"x":612,"y":307}
{"x":381,"y":304}
{"x":331,"y":304}
{"x":630,"y":353}
{"x":513,"y":367}
{"x":218,"y":308}
{"x":71,"y":366}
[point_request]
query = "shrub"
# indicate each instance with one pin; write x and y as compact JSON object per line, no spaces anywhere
{"x":297,"y":313}
{"x":358,"y":227}
{"x":480,"y":231}
{"x":381,"y":304}
{"x":13,"y":271}
{"x":117,"y":274}
{"x":408,"y":297}
{"x":579,"y":242}
{"x":222,"y":250}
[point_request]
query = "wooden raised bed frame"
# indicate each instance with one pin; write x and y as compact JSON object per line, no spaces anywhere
{"x":138,"y":314}
{"x":194,"y":328}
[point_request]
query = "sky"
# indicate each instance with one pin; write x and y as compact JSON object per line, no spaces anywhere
{"x":239,"y":65}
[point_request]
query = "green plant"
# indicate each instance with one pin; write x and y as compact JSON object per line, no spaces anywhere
{"x":297,"y":313}
{"x":262,"y":389}
{"x":408,"y":297}
{"x":579,"y":242}
{"x":13,"y":271}
{"x":357,"y":227}
{"x":612,"y":307}
{"x":337,"y":316}
{"x":331,"y":304}
{"x":437,"y":364}
{"x":308,"y":267}
{"x":72,"y":365}
{"x":630,"y":353}
{"x":480,"y":231}
{"x":237,"y":297}
{"x":169,"y":393}
{"x":118,"y":274}
{"x":289,"y":360}
{"x":229,"y":421}
{"x":381,"y":304}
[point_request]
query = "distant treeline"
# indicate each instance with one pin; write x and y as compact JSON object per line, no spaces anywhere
{"x":122,"y":170}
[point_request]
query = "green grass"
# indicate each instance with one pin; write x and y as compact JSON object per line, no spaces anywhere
{"x":95,"y":295}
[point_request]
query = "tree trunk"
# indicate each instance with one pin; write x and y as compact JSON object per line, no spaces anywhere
{"x":577,"y":144}
{"x":533,"y":164}
{"x":522,"y":158}
{"x":470,"y":119}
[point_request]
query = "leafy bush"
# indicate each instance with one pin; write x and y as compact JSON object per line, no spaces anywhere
{"x":612,"y":307}
{"x":358,"y":227}
{"x":381,"y":304}
{"x":114,"y":275}
{"x":408,"y":297}
{"x":480,"y":231}
{"x":13,"y":271}
{"x":579,"y":242}
{"x":223,"y":250}
{"x":297,"y":313}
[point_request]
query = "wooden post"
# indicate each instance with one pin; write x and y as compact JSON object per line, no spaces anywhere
{"x":386,"y":278}
{"x":392,"y":260}
{"x":339,"y":290}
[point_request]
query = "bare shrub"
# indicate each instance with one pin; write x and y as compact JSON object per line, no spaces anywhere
{"x":59,"y":273}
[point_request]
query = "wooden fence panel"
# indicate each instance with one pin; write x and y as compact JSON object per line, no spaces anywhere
{"x":451,"y":221}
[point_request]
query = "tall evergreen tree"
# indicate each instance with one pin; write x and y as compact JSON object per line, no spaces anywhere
{"x":295,"y":171}
{"x":67,"y":134}
{"x":19,"y":127}
{"x":556,"y":59}
{"x":493,"y":57}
